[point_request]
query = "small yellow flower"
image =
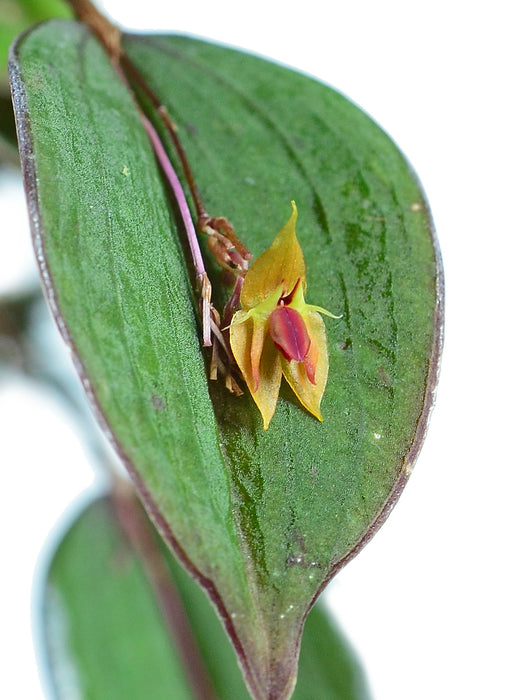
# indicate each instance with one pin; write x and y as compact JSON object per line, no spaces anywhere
{"x":276,"y":332}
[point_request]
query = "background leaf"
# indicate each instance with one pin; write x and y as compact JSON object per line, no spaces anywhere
{"x":8,"y":143}
{"x":262,"y":520}
{"x":18,"y":15}
{"x":105,"y":637}
{"x":104,"y":634}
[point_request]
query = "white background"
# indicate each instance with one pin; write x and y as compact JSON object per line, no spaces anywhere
{"x":434,"y":604}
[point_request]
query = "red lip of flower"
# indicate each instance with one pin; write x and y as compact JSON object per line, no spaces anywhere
{"x":276,"y":332}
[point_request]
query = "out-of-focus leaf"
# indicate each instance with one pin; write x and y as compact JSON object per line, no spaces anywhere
{"x":8,"y":143}
{"x":262,"y":520}
{"x":15,"y":320}
{"x":104,"y":632}
{"x":18,"y":15}
{"x":105,"y":637}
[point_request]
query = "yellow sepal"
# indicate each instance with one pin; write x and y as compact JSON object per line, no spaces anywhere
{"x":277,"y":279}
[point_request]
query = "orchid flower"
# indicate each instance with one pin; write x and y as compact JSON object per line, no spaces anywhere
{"x":276,"y":332}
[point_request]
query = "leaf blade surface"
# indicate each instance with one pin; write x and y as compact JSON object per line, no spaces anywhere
{"x":104,"y":637}
{"x":263,"y":520}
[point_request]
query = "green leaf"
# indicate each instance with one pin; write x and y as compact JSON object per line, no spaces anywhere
{"x":18,"y":15}
{"x":105,"y":636}
{"x":8,"y":144}
{"x":261,"y":520}
{"x":104,"y":633}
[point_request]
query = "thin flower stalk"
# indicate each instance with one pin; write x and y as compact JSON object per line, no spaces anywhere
{"x":229,"y":251}
{"x":196,"y":255}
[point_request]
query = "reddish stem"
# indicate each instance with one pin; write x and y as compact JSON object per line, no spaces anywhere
{"x":196,"y":255}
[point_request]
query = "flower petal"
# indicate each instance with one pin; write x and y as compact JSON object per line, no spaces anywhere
{"x":288,"y":331}
{"x":251,"y":344}
{"x":279,"y":267}
{"x":270,"y":382}
{"x":299,"y":374}
{"x":241,"y":332}
{"x":260,"y":330}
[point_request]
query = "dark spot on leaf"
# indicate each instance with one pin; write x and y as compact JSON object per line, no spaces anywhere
{"x":192,"y":129}
{"x":384,"y":377}
{"x":295,"y":560}
{"x":158,"y":403}
{"x":298,"y":547}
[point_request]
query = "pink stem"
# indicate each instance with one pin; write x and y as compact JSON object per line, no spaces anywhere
{"x":196,"y":254}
